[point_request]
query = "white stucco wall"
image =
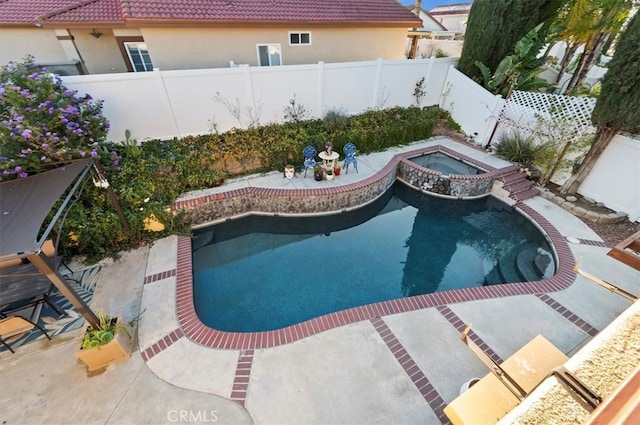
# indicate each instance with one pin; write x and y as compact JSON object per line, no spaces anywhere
{"x":16,"y":43}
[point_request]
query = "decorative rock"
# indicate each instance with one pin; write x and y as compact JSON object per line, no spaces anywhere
{"x":593,"y":216}
{"x":580,"y":212}
{"x":571,"y":198}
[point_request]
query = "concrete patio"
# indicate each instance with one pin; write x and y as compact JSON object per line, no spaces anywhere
{"x":351,"y":374}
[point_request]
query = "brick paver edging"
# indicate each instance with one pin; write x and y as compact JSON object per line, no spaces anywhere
{"x":198,"y":332}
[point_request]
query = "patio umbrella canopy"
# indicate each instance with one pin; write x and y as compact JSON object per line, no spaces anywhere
{"x":25,"y":204}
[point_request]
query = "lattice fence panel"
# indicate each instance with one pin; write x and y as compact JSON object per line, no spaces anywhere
{"x":543,"y":114}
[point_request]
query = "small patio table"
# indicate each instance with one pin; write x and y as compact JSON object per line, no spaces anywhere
{"x":329,"y":159}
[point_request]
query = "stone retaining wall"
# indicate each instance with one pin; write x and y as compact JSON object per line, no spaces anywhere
{"x":459,"y":186}
{"x":213,"y":208}
{"x":456,"y":185}
{"x":583,"y":213}
{"x":216,"y":207}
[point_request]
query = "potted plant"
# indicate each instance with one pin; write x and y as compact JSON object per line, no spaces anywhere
{"x":329,"y":173}
{"x":289,"y":171}
{"x":106,"y":344}
{"x":318,"y":173}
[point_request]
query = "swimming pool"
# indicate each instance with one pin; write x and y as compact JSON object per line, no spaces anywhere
{"x":439,"y":161}
{"x":263,"y":273}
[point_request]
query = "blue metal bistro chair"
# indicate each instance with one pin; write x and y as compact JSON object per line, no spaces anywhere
{"x":309,"y":153}
{"x":350,"y":157}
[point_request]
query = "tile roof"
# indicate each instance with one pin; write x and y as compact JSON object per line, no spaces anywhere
{"x":98,"y":11}
{"x":369,"y":12}
{"x":26,"y":11}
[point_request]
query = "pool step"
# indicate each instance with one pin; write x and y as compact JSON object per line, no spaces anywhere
{"x":507,"y":267}
{"x":525,"y":194}
{"x":517,"y":183}
{"x":525,"y":263}
{"x":512,"y":175}
{"x":493,"y":277}
{"x":543,"y":264}
{"x":532,"y":264}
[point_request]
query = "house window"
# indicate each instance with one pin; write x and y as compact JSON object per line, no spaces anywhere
{"x":269,"y":55}
{"x":299,"y":38}
{"x":139,"y":56}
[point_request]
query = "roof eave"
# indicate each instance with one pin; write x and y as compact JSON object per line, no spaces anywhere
{"x":83,"y":24}
{"x":265,"y":23}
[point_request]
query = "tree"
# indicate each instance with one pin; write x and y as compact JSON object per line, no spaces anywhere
{"x":43,"y":124}
{"x":592,"y":23}
{"x":519,"y":70}
{"x":495,"y":26}
{"x":617,"y":106}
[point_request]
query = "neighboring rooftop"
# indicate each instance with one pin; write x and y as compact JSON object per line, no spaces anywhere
{"x":451,"y":9}
{"x":224,"y":12}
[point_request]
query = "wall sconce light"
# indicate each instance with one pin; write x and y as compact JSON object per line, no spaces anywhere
{"x":95,"y":33}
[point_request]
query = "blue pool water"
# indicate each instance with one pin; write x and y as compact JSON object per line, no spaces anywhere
{"x":445,"y":164}
{"x":263,"y":273}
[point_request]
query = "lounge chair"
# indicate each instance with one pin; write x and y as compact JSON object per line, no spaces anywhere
{"x":15,"y":326}
{"x":505,"y":387}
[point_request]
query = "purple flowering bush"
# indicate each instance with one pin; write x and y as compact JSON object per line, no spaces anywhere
{"x":43,"y":124}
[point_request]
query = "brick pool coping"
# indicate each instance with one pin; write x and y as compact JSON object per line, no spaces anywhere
{"x":200,"y":333}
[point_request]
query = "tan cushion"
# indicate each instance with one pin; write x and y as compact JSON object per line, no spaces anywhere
{"x":49,"y":248}
{"x":10,"y":263}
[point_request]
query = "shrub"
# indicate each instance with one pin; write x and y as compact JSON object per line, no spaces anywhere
{"x":335,"y":120}
{"x":43,"y":124}
{"x":516,"y":147}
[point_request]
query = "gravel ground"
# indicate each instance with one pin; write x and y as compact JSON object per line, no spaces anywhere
{"x":614,"y":233}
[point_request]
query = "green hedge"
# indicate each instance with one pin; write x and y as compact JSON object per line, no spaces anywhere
{"x":153,"y":174}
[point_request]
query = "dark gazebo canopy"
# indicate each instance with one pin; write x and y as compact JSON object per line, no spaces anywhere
{"x":26,"y":203}
{"x":24,"y":207}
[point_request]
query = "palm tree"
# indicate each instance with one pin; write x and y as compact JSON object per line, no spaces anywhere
{"x":571,"y":28}
{"x":617,"y":108}
{"x":592,"y":23}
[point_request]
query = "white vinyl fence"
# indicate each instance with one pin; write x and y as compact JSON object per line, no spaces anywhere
{"x":615,"y":179}
{"x":471,"y":105}
{"x":166,"y":104}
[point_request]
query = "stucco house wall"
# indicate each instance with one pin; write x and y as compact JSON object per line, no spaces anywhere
{"x":15,"y":43}
{"x":191,"y":48}
{"x":186,"y":34}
